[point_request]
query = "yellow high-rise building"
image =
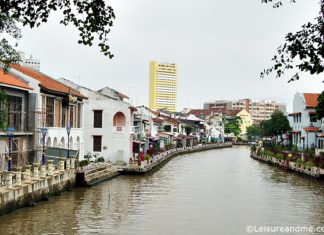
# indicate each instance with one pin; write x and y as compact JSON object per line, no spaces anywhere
{"x":163,"y":86}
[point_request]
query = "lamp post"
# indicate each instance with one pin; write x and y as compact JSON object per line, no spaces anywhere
{"x":10,"y":133}
{"x":68,"y":131}
{"x":44,"y":132}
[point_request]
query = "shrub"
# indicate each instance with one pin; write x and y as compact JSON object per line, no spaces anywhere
{"x":279,"y":156}
{"x":147,"y":157}
{"x":294,"y":149}
{"x":100,"y":159}
{"x":309,"y":164}
{"x":83,"y":163}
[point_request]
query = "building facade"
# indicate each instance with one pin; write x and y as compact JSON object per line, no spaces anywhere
{"x":108,"y":129}
{"x":303,"y":121}
{"x":163,"y":86}
{"x":260,"y":110}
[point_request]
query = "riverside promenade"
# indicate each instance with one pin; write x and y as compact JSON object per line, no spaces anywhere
{"x":25,"y":187}
{"x":314,"y":172}
{"x":161,"y":158}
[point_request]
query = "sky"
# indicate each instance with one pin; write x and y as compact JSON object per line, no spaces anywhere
{"x":220,"y":46}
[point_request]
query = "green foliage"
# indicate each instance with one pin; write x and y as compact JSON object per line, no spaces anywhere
{"x":93,"y":20}
{"x":232,"y":125}
{"x":299,"y":161}
{"x":147,"y":157}
{"x":309,"y":164}
{"x":302,"y":50}
{"x":253,"y":132}
{"x":294,"y":149}
{"x":100,"y":159}
{"x":277,"y":125}
{"x":83,"y":163}
{"x":268,"y":153}
{"x":320,"y":106}
{"x":3,"y":110}
{"x":279,"y":156}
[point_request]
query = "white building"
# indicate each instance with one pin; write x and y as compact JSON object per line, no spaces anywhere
{"x":108,"y":131}
{"x":303,"y":120}
{"x":55,"y":106}
{"x":29,"y":62}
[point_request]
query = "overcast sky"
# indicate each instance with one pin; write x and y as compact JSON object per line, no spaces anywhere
{"x":220,"y":46}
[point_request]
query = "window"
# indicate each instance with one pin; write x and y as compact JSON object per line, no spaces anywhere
{"x":312,"y":118}
{"x":97,"y":143}
{"x":79,"y":115}
{"x":63,"y":124}
{"x":49,"y":111}
{"x":97,"y":118}
{"x":15,"y":112}
{"x":71,"y":116}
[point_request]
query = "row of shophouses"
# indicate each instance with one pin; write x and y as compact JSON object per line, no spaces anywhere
{"x":64,"y":118}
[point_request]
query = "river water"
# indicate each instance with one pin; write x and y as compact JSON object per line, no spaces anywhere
{"x":213,"y":192}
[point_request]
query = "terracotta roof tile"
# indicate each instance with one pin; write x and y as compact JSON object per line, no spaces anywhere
{"x":11,"y":80}
{"x":311,"y":99}
{"x":311,"y":129}
{"x":46,"y":82}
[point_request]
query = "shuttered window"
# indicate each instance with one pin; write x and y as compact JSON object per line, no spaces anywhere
{"x":97,"y":143}
{"x":97,"y":118}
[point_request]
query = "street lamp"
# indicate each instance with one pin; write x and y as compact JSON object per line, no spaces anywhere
{"x":68,"y":131}
{"x":44,"y":132}
{"x":10,"y":133}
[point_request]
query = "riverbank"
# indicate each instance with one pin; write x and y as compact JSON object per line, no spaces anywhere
{"x":35,"y":187}
{"x":160,"y":159}
{"x":313,"y":172}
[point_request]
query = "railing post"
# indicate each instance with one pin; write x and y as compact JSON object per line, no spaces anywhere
{"x":62,"y":164}
{"x":35,"y":170}
{"x":18,"y":176}
{"x":27,"y":174}
{"x":0,"y":178}
{"x":10,"y":180}
{"x":72,"y":162}
{"x":50,"y":167}
{"x":43,"y":171}
{"x":68,"y":164}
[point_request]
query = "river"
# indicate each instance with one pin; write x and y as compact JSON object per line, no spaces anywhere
{"x":213,"y":192}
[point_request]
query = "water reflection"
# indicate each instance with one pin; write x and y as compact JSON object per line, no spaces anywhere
{"x":215,"y":192}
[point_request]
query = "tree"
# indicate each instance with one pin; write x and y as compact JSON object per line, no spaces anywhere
{"x":3,"y":110}
{"x":277,"y":125}
{"x":320,"y":106}
{"x":303,"y":50}
{"x":91,"y":18}
{"x":253,"y":132}
{"x":232,"y":125}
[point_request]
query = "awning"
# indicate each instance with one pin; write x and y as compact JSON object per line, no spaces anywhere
{"x":311,"y":129}
{"x":293,"y":114}
{"x":295,"y":131}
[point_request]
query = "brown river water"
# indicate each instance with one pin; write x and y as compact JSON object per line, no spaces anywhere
{"x":213,"y":192}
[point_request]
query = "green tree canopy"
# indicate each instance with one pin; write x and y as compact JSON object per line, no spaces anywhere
{"x":302,"y":50}
{"x":232,"y":125}
{"x":3,"y":110}
{"x":253,"y":132}
{"x":277,"y":125}
{"x":320,"y":106}
{"x":92,"y":18}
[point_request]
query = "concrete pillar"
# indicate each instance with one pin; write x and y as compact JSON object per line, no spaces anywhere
{"x":68,"y":160}
{"x":50,"y":167}
{"x":27,"y":174}
{"x":72,"y":162}
{"x":18,"y":176}
{"x":35,"y":170}
{"x":43,"y":171}
{"x":10,"y":180}
{"x":62,"y":164}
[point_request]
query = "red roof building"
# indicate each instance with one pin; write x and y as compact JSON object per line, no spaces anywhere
{"x":8,"y":79}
